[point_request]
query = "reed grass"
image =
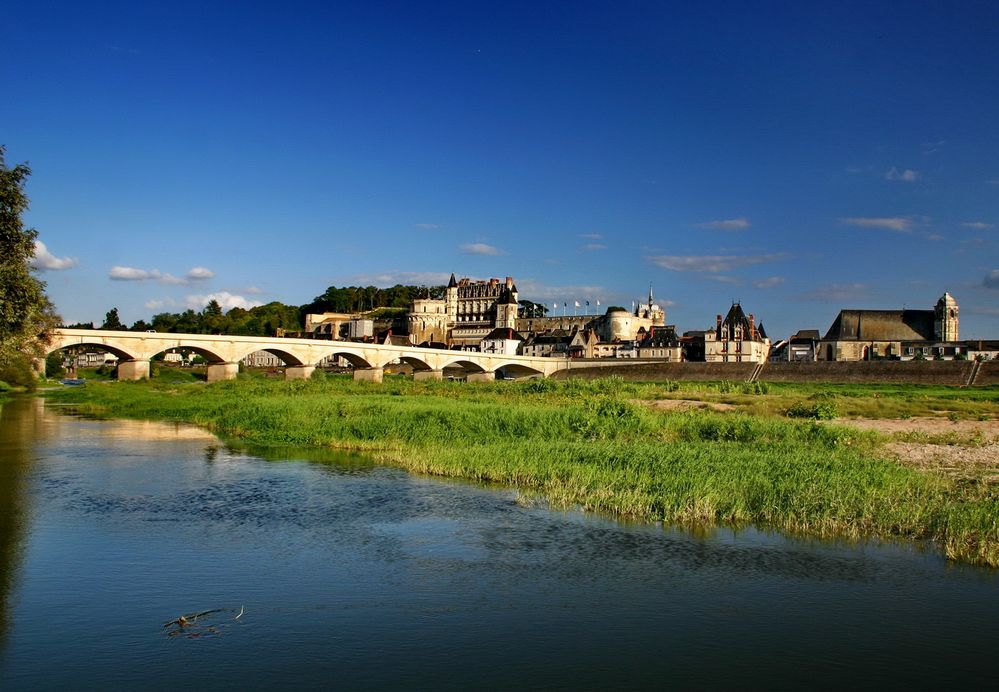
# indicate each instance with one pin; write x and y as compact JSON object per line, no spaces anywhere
{"x":594,"y":445}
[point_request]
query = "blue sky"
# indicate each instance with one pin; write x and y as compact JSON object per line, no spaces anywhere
{"x":798,"y":157}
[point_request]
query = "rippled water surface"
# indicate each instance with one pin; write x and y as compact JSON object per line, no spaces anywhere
{"x":351,"y":575}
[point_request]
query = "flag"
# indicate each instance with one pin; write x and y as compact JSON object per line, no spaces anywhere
{"x":587,"y":303}
{"x":577,"y":304}
{"x":554,"y":306}
{"x":598,"y":303}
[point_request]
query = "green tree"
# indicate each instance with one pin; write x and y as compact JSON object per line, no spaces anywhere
{"x":112,"y":321}
{"x":26,"y":315}
{"x":212,"y":319}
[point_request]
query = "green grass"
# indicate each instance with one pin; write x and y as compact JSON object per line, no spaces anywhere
{"x":593,"y":444}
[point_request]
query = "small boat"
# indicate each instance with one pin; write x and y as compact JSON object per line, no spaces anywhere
{"x":73,"y":382}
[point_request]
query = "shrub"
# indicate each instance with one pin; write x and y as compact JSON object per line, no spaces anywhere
{"x":17,"y":372}
{"x":825,"y":410}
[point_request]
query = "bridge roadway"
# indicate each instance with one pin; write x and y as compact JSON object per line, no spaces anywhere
{"x":301,"y":356}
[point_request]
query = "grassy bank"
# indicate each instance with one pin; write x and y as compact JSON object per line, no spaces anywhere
{"x":595,"y":444}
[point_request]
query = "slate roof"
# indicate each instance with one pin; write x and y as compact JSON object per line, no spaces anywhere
{"x":882,"y":325}
{"x":504,"y":333}
{"x":736,"y":317}
{"x":661,"y":337}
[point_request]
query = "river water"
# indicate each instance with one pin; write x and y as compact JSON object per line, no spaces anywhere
{"x":333,"y":572}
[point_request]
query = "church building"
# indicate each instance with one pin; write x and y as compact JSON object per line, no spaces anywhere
{"x":895,"y":334}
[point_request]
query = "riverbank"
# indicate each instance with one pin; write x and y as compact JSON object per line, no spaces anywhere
{"x":603,"y":445}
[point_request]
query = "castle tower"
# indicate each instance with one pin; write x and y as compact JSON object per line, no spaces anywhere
{"x":945,"y":318}
{"x":451,"y":300}
{"x":427,"y":320}
{"x":507,"y":306}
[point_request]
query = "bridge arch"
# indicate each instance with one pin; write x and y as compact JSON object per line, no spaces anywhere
{"x":209,"y":355}
{"x":519,"y":370}
{"x":464,"y":363}
{"x":285,"y":355}
{"x":418,"y":364}
{"x":352,"y":357}
{"x":121,"y":353}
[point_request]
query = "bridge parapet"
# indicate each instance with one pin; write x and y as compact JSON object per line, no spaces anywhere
{"x":223,"y":352}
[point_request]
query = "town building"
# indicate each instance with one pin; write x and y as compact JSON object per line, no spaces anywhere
{"x":803,"y":347}
{"x":502,"y":341}
{"x":661,"y":343}
{"x":736,"y":339}
{"x":895,"y":334}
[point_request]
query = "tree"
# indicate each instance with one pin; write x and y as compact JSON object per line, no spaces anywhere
{"x":111,"y":321}
{"x":26,"y":315}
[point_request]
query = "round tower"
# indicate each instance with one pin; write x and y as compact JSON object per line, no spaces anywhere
{"x":427,"y":320}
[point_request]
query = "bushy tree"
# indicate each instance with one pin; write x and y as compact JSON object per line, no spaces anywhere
{"x":26,"y":315}
{"x":112,"y":321}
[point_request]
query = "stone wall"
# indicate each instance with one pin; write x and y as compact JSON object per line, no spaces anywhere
{"x":951,"y":373}
{"x":988,"y":374}
{"x":947,"y":372}
{"x":658,"y":372}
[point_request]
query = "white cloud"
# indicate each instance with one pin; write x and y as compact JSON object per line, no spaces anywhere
{"x":722,"y":279}
{"x":890,"y":223}
{"x":770,"y":282}
{"x":393,"y":277}
{"x":991,"y":279}
{"x":158,"y":304}
{"x":428,"y":226}
{"x":908,"y":175}
{"x":531,"y":289}
{"x":590,"y":247}
{"x":227,"y":300}
{"x":988,"y":311}
{"x":480,"y":249}
{"x":726,"y":224}
{"x":199,"y":274}
{"x":591,"y":236}
{"x":838,"y":293}
{"x":119,"y":273}
{"x":933,"y":147}
{"x":46,"y":261}
{"x":977,"y":225}
{"x":934,"y":236}
{"x":253,"y":290}
{"x":713,"y":264}
{"x":994,"y":181}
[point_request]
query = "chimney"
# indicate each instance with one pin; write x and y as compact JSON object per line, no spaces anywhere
{"x":509,"y":282}
{"x":752,"y":327}
{"x":718,"y":318}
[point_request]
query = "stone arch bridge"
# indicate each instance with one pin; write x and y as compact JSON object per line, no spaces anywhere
{"x":301,"y":356}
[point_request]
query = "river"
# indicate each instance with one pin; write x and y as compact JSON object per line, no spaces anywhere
{"x":330,"y":571}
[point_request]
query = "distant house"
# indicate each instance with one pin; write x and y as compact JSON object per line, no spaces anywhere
{"x":583,"y":344}
{"x":662,"y":343}
{"x":895,"y":334}
{"x":736,"y":339}
{"x":548,"y":344}
{"x":801,"y":348}
{"x":262,"y":359}
{"x":502,"y":341}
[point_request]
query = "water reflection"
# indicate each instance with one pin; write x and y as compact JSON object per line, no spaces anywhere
{"x":366,"y":576}
{"x":17,"y":431}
